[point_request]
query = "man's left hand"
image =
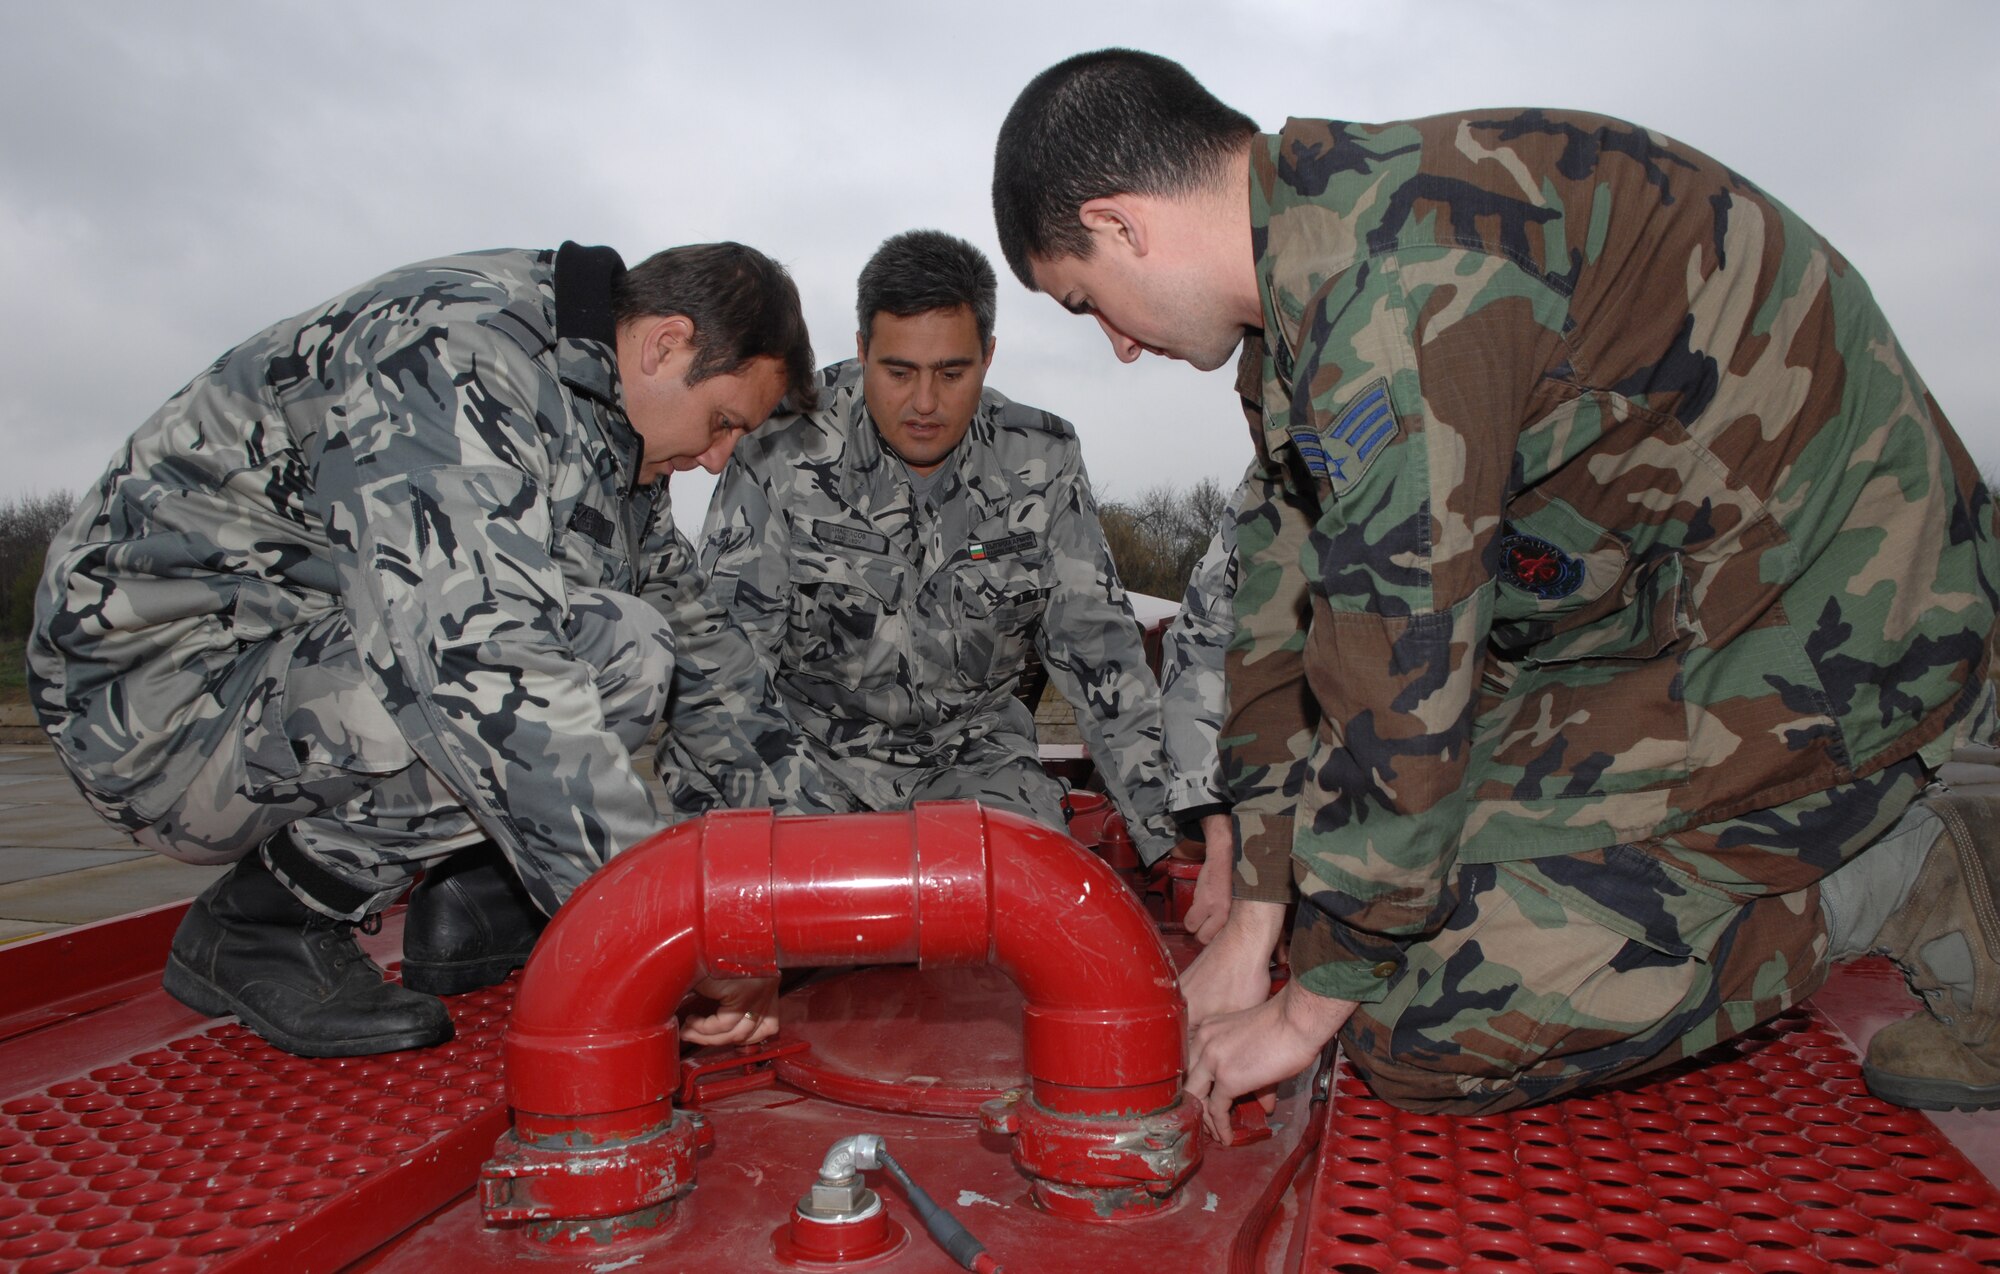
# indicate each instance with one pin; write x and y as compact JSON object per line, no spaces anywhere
{"x":1210,"y":907}
{"x":1242,"y":1052}
{"x":746,"y":1012}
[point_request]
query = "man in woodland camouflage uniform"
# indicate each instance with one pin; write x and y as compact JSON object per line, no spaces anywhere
{"x":894,"y":555}
{"x":367,"y":592}
{"x":1635,"y":582}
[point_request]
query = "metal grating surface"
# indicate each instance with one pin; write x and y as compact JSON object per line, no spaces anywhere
{"x":1774,"y":1158}
{"x":218,"y":1152}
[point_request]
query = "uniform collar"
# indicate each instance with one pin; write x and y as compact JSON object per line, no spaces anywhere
{"x":586,"y":281}
{"x":1265,"y":196}
{"x":586,"y":326}
{"x":1266,"y":362}
{"x":1303,"y":165}
{"x":1316,"y":194}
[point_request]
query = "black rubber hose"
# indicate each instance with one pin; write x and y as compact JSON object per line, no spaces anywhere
{"x":955,"y":1239}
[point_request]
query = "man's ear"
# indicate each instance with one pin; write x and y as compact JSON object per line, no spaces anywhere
{"x":992,"y":343}
{"x":1115,"y":220}
{"x":861,"y":346}
{"x":662,"y":338}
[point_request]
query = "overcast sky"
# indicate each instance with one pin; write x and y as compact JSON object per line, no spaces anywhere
{"x":174,"y":176}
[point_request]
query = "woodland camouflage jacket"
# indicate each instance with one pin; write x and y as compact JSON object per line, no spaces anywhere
{"x":1600,"y":501}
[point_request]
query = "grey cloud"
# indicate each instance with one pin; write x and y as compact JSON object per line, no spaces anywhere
{"x":173,"y":177}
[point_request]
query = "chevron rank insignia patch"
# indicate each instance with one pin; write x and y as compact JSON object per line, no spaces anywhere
{"x":1359,"y":435}
{"x":1362,"y":431}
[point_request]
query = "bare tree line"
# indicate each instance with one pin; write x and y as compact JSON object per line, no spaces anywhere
{"x":27,"y":524}
{"x":1157,"y":538}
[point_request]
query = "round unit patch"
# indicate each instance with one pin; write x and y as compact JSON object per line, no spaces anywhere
{"x":1532,"y":563}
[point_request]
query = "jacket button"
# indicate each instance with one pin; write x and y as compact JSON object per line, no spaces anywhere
{"x":1386,"y":969}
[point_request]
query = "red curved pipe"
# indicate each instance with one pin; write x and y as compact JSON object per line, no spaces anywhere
{"x":591,"y":1047}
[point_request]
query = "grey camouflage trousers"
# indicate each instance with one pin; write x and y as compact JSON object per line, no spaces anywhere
{"x":1000,"y":770}
{"x":318,"y":753}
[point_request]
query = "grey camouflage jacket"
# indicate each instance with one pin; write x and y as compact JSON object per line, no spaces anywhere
{"x":1193,"y":696}
{"x":899,"y":638}
{"x":441,"y":453}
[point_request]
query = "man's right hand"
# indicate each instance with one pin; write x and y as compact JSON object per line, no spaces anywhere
{"x":1233,"y":972}
{"x":1250,"y":1051}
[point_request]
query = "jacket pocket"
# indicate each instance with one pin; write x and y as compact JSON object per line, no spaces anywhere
{"x":1556,"y":567}
{"x":1596,"y":709}
{"x":840,"y":608}
{"x":319,"y":709}
{"x":998,"y":608}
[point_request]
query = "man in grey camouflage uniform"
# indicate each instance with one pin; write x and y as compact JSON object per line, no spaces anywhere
{"x":1193,"y":701}
{"x":1612,"y":591}
{"x":894,"y":554}
{"x":368,"y":591}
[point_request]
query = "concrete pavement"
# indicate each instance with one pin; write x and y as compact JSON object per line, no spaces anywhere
{"x":62,"y":865}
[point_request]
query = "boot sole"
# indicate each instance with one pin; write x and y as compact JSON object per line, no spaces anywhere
{"x":1930,"y":1094}
{"x":204,"y":996}
{"x":457,"y":977}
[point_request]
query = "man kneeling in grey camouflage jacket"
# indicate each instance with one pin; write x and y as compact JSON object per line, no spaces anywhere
{"x":389,"y":581}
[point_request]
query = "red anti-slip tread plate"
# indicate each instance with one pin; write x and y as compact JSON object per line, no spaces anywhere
{"x":218,"y":1152}
{"x":1772,"y":1157}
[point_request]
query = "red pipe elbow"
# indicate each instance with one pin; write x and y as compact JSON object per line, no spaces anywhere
{"x":591,"y":1051}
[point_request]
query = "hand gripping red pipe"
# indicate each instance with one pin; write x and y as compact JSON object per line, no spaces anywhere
{"x":592,"y":1056}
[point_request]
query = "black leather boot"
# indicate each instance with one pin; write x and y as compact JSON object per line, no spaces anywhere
{"x":294,"y":976}
{"x":470,"y":924}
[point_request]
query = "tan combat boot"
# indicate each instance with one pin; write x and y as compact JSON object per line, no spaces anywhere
{"x":1946,"y":940}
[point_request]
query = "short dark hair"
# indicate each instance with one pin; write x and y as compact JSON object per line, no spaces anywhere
{"x":742,"y":303}
{"x":923,"y":270}
{"x":1107,"y":123}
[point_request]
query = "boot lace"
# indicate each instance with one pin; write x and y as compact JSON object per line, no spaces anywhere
{"x":334,"y":939}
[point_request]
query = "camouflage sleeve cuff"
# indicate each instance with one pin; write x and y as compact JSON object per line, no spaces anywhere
{"x":1264,"y":856}
{"x":1324,"y":962}
{"x":1188,"y":821}
{"x":1155,"y":838}
{"x":1190,"y":796}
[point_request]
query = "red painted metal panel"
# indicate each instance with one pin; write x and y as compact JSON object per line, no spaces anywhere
{"x":218,"y":1153}
{"x":766,"y":1153}
{"x":134,"y":1135}
{"x":940,"y":1042}
{"x":215,"y":1152}
{"x":81,"y":970}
